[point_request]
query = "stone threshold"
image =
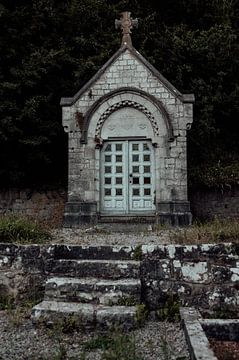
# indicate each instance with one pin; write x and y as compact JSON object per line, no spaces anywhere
{"x":128,"y":219}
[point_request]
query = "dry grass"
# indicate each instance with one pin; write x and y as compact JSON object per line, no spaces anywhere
{"x":216,"y":231}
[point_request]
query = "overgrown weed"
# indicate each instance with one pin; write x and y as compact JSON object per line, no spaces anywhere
{"x":7,"y":302}
{"x":114,"y":346}
{"x":214,"y":231}
{"x":19,"y":310}
{"x":170,"y":310}
{"x":22,"y":230}
{"x":141,"y":314}
{"x":17,"y":315}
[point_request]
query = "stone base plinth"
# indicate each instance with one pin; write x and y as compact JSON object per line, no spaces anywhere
{"x":77,"y":213}
{"x":174,"y":213}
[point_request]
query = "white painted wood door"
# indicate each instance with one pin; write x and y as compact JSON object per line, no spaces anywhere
{"x":127,"y":177}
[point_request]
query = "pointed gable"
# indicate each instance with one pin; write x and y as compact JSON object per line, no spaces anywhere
{"x":127,"y":68}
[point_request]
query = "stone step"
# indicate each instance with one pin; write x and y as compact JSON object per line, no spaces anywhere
{"x":107,"y":269}
{"x":84,"y":315}
{"x":93,"y":290}
{"x":77,"y":252}
{"x":136,"y":221}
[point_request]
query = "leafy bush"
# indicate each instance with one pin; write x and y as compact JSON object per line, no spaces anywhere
{"x":17,"y":229}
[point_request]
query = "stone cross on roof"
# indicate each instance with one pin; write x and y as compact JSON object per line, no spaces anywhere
{"x":126,"y":23}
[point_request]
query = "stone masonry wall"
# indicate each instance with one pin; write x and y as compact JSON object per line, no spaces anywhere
{"x":49,"y":205}
{"x":205,"y":276}
{"x":46,"y":206}
{"x":208,"y":204}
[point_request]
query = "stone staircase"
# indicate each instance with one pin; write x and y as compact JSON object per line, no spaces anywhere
{"x":92,"y":286}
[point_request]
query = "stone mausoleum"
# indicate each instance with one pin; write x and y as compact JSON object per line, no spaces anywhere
{"x":127,"y":130}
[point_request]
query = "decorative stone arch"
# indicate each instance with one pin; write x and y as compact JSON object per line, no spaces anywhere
{"x":120,"y":105}
{"x":130,"y":103}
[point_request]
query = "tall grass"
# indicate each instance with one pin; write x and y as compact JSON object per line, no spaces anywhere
{"x":22,"y":230}
{"x":115,"y":346}
{"x":215,"y":231}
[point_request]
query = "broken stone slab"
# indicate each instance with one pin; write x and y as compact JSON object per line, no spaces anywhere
{"x":117,"y":316}
{"x":84,"y":315}
{"x":107,"y":269}
{"x":62,"y":313}
{"x":93,"y":290}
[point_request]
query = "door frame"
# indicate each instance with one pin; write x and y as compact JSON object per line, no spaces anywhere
{"x":127,"y":211}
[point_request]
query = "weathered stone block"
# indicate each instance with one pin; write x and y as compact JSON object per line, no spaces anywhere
{"x":94,"y":268}
{"x":221,"y":274}
{"x":195,"y":272}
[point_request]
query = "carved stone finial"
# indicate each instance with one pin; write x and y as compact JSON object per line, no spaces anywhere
{"x":126,"y":23}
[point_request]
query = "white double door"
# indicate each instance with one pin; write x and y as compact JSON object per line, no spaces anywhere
{"x":127,"y":177}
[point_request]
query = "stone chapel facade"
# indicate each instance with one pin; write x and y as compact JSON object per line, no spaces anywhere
{"x":127,"y":130}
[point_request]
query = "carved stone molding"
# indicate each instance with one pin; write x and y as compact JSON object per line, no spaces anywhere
{"x":121,"y":104}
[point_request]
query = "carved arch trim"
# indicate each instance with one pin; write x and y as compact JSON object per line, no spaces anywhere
{"x":128,"y":90}
{"x":121,"y":104}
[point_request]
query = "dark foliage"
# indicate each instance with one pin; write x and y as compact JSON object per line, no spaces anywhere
{"x":50,"y":48}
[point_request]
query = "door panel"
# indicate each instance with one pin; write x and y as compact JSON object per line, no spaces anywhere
{"x":141,"y":184}
{"x":114,"y":177}
{"x":127,"y":177}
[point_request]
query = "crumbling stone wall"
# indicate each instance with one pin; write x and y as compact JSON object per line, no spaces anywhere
{"x":45,"y":205}
{"x":22,"y":272}
{"x":205,"y":276}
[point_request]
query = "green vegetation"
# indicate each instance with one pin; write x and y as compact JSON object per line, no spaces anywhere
{"x":22,"y":230}
{"x":123,"y":301}
{"x":99,"y":342}
{"x":19,"y":311}
{"x":50,"y":48}
{"x":137,"y":255}
{"x":6,"y":302}
{"x":170,"y":310}
{"x":115,"y":346}
{"x":127,"y":301}
{"x":64,"y":325}
{"x":141,"y":314}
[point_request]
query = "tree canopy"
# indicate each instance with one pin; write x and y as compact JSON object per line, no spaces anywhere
{"x":50,"y":48}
